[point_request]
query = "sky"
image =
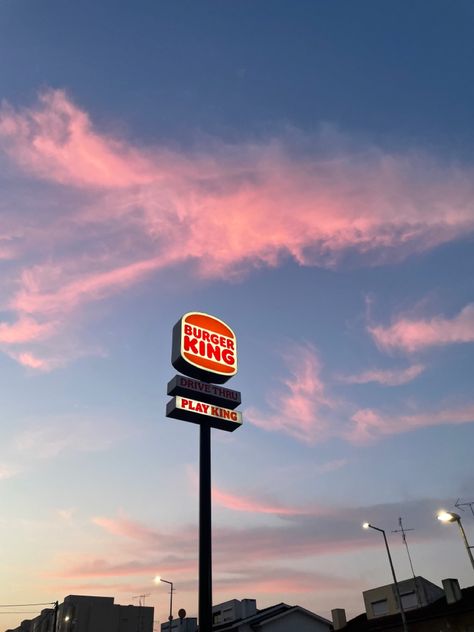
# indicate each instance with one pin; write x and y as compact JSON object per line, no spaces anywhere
{"x":303,"y":171}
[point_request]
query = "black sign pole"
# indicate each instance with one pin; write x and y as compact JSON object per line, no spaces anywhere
{"x":205,"y":534}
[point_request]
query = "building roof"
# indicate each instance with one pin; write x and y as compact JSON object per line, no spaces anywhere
{"x":265,"y":616}
{"x":436,"y":610}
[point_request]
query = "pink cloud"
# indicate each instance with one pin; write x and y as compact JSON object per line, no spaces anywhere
{"x":124,"y":527}
{"x":304,"y":410}
{"x":370,"y":425}
{"x":32,"y":299}
{"x":243,"y":557}
{"x":301,"y":408}
{"x":57,"y":142}
{"x":415,"y":334}
{"x":387,"y":377}
{"x":251,"y":504}
{"x":131,"y":211}
{"x":24,"y":330}
{"x":281,"y":580}
{"x":6,"y":471}
{"x":31,"y":361}
{"x":255,"y":545}
{"x":69,"y":433}
{"x":149,"y":539}
{"x":98,"y":567}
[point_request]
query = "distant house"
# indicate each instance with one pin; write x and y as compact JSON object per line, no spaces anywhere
{"x":428,"y":608}
{"x":80,"y":613}
{"x":243,"y":616}
{"x":414,"y":593}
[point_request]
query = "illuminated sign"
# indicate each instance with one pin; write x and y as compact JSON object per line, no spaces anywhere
{"x":197,"y":412}
{"x":205,"y":351}
{"x":204,"y":347}
{"x":209,"y":393}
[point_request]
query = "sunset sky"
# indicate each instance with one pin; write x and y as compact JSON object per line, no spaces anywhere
{"x":303,"y":171}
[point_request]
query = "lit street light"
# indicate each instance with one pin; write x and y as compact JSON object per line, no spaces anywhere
{"x":367,"y":525}
{"x":159,"y":579}
{"x":448,"y":516}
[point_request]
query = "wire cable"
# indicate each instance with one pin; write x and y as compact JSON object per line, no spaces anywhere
{"x":26,"y":605}
{"x":19,"y":612}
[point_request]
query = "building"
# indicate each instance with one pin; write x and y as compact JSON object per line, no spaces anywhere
{"x":233,"y":610}
{"x":186,"y":624}
{"x":80,"y":613}
{"x":431,"y":609}
{"x":414,"y":593}
{"x":243,"y":616}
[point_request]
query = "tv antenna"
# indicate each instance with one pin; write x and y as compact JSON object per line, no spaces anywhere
{"x":404,"y":531}
{"x":141,"y":599}
{"x":461,"y":505}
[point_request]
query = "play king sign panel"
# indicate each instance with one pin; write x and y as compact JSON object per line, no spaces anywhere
{"x":191,"y":410}
{"x":205,"y":348}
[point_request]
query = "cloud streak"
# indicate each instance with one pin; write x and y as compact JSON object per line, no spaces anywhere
{"x":300,"y":409}
{"x":337,"y":531}
{"x":251,"y":504}
{"x":370,"y":425}
{"x":107,"y":214}
{"x":304,"y":410}
{"x":411,"y":335}
{"x":386,"y":377}
{"x":55,"y":438}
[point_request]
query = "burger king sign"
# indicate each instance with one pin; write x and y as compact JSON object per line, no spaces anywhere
{"x":205,"y":348}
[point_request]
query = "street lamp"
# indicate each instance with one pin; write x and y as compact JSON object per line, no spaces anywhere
{"x":367,"y":525}
{"x":159,"y":579}
{"x":448,"y":516}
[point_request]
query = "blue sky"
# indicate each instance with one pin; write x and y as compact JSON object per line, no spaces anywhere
{"x":302,"y":171}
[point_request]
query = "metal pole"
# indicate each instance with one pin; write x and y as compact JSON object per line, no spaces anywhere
{"x":468,"y":548}
{"x":170,"y":618}
{"x":55,"y":616}
{"x":205,"y":536}
{"x":402,"y":612}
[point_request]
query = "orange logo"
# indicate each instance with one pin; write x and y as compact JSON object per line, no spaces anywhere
{"x":204,"y":347}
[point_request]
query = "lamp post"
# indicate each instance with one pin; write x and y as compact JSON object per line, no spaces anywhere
{"x":367,"y":525}
{"x":448,"y":516}
{"x":159,"y":579}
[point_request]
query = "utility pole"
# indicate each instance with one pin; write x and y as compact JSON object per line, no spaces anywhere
{"x":55,"y":616}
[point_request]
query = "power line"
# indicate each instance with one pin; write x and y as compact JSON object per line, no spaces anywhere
{"x":26,"y":605}
{"x":19,"y":612}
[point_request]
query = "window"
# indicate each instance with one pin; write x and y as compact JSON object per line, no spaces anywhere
{"x":228,"y":614}
{"x":379,"y":608}
{"x":409,"y":600}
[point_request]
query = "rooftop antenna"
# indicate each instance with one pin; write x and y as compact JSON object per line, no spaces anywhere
{"x":141,"y":604}
{"x":403,"y":531}
{"x":461,"y":505}
{"x":141,"y":599}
